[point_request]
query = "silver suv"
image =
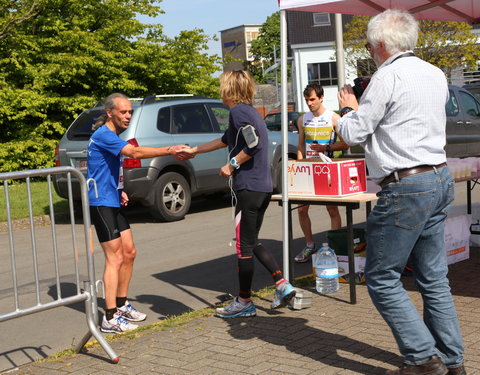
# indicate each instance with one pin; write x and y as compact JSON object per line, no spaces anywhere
{"x":164,"y":184}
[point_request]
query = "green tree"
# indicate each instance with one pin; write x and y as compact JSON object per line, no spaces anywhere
{"x":13,"y":13}
{"x":65,"y":55}
{"x":447,"y":45}
{"x":262,"y":49}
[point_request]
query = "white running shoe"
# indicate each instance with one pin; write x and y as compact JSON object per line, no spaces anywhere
{"x":131,"y":313}
{"x":117,"y":324}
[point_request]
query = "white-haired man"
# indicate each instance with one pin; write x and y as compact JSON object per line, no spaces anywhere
{"x":400,"y":122}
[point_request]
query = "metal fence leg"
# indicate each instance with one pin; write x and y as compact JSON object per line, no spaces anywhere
{"x":92,"y":321}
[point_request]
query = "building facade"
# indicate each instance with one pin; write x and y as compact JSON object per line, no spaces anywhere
{"x":311,"y":49}
{"x":236,"y":42}
{"x":312,"y":42}
{"x":311,"y":39}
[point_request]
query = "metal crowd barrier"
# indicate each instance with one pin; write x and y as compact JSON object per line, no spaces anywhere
{"x":88,"y":293}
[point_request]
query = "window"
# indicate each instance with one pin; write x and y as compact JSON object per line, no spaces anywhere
{"x":325,"y":74}
{"x":191,"y":118}
{"x":321,"y":19}
{"x":470,"y":105}
{"x":452,"y":106}
{"x":251,"y":35}
{"x":163,"y":120}
{"x":222,"y":115}
{"x":274,"y":121}
{"x":82,"y":127}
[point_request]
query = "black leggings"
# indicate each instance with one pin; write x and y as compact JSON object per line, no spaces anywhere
{"x":249,"y":213}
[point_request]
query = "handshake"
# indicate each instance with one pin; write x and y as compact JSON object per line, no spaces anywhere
{"x":182,"y":152}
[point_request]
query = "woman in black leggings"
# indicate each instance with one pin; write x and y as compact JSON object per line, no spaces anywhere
{"x":247,"y":141}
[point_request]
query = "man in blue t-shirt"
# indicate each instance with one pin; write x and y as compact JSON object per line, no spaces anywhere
{"x":104,"y":173}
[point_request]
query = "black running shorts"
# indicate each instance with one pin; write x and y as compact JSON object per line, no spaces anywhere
{"x":108,"y":221}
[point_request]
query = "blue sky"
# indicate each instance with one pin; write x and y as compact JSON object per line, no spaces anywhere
{"x":213,"y":16}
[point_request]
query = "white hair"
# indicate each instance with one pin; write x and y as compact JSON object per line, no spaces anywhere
{"x":397,"y":29}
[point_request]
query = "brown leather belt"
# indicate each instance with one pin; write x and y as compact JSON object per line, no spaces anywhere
{"x":402,"y":173}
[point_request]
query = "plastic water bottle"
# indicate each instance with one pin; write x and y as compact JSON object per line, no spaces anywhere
{"x":326,"y":270}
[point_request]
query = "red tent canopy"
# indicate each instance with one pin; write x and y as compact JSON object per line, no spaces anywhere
{"x":440,"y":10}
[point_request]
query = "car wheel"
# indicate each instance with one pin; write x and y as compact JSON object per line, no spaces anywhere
{"x":172,"y":197}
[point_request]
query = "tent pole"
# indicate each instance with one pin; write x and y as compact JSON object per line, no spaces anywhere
{"x":340,"y":51}
{"x":284,"y":106}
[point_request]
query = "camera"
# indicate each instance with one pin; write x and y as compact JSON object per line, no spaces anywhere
{"x":359,"y":86}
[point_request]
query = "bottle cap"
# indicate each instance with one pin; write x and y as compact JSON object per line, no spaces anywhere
{"x":325,"y":244}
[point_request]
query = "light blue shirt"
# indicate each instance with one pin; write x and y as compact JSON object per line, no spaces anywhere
{"x":401,"y":119}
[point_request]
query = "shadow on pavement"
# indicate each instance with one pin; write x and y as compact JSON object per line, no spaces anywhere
{"x":220,"y":274}
{"x":162,"y":305}
{"x":68,"y":289}
{"x":20,"y":356}
{"x":323,"y":347}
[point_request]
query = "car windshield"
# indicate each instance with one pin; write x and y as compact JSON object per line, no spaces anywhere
{"x":475,"y":92}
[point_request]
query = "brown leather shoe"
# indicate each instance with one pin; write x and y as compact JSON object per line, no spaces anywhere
{"x":457,"y":371}
{"x":434,"y":366}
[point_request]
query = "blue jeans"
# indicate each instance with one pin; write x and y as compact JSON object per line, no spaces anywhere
{"x":408,"y":222}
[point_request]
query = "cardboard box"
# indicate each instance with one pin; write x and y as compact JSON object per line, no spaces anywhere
{"x":314,"y":177}
{"x":459,"y":210}
{"x":457,"y":238}
{"x":343,"y":268}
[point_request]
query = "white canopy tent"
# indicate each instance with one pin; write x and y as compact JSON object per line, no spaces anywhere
{"x":440,"y":10}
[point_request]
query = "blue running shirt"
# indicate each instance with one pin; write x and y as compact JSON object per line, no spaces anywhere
{"x":104,"y":165}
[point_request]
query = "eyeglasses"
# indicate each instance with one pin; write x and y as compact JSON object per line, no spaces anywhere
{"x":369,"y":47}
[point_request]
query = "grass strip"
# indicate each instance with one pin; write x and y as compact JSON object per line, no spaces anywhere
{"x":18,"y":198}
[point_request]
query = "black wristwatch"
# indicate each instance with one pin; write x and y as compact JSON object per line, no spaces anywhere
{"x":345,"y":110}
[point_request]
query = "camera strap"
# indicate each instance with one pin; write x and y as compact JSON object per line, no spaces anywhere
{"x":406,"y":54}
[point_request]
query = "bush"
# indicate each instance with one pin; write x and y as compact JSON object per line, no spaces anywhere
{"x":27,"y":154}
